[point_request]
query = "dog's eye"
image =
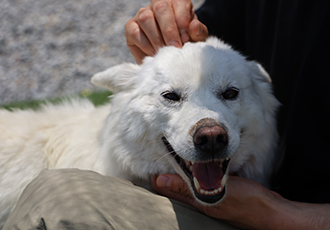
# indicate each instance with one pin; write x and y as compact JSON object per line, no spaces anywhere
{"x":171,"y":96}
{"x":230,"y":94}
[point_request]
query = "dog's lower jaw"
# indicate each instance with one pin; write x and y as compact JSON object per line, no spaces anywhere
{"x":210,"y":199}
{"x":207,"y":180}
{"x":210,"y":196}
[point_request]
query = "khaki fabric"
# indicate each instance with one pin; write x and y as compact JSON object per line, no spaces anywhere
{"x":77,"y":199}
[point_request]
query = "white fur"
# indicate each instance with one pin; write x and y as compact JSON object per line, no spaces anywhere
{"x":124,"y":139}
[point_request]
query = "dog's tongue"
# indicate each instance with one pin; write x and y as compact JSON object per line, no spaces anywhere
{"x":208,"y":174}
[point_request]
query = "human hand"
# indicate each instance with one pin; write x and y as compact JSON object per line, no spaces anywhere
{"x":247,"y":203}
{"x":163,"y":22}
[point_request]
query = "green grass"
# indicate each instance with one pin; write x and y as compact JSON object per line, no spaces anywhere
{"x":97,"y":98}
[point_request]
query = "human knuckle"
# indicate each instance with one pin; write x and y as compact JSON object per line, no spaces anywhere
{"x":141,"y":10}
{"x":162,"y":6}
{"x":186,"y":14}
{"x":128,"y":25}
{"x":170,"y":31}
{"x":145,"y":16}
{"x":186,"y":2}
{"x":135,"y":32}
{"x":132,"y":30}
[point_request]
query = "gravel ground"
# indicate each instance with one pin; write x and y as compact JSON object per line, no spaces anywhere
{"x":52,"y":48}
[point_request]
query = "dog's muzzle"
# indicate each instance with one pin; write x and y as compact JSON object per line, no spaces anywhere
{"x":208,"y":175}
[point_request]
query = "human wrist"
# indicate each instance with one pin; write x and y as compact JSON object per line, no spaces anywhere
{"x":286,"y":214}
{"x":271,"y":212}
{"x":268,"y":214}
{"x":280,"y":212}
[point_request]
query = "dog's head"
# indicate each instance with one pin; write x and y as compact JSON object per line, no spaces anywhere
{"x":203,"y":108}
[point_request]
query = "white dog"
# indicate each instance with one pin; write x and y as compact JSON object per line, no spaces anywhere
{"x":202,"y":111}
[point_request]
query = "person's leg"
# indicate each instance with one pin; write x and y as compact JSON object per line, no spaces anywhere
{"x":77,"y":199}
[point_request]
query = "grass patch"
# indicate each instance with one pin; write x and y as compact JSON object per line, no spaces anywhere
{"x":97,"y":98}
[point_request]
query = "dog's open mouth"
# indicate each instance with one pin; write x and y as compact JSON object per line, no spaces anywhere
{"x":208,"y":178}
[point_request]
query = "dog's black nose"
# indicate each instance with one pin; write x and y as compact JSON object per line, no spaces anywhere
{"x":210,"y":140}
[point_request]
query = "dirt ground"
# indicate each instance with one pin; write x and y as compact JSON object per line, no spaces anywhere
{"x":52,"y":48}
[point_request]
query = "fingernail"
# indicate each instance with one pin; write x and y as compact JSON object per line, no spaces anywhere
{"x":184,"y":36}
{"x":175,"y":43}
{"x":163,"y":182}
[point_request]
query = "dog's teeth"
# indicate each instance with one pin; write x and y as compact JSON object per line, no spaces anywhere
{"x":213,"y":192}
{"x":196,"y":183}
{"x":191,"y":168}
{"x":221,"y":163}
{"x":192,"y":162}
{"x":223,"y":181}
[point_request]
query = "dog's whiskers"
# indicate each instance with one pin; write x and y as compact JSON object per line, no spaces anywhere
{"x":168,"y":153}
{"x":159,"y":159}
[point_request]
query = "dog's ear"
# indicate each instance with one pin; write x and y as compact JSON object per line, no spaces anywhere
{"x":117,"y":78}
{"x":264,"y":88}
{"x":259,"y":72}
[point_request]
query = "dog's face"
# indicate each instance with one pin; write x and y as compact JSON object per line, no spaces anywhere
{"x":193,"y":108}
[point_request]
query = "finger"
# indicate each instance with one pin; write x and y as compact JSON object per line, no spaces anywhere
{"x":137,"y":53}
{"x":184,"y":13}
{"x":198,"y":31}
{"x":137,"y":41}
{"x":147,"y":22}
{"x":166,"y":21}
{"x":173,"y":186}
{"x":174,"y":183}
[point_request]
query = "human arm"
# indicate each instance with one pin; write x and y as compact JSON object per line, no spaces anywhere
{"x":250,"y":205}
{"x":163,"y":22}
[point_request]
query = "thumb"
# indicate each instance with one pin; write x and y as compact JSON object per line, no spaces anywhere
{"x":172,"y":186}
{"x":198,"y":31}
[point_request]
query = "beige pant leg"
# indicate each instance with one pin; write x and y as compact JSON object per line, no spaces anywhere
{"x":76,"y":199}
